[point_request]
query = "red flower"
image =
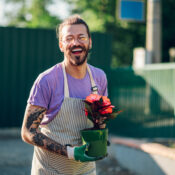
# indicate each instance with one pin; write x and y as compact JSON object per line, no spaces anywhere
{"x":107,"y":110}
{"x":86,"y":112}
{"x":105,"y":99}
{"x":92,"y":98}
{"x":99,"y":110}
{"x":105,"y":103}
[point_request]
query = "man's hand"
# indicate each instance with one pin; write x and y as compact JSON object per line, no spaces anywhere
{"x":79,"y":154}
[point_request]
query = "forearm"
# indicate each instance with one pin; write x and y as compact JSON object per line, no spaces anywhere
{"x":39,"y":139}
{"x":32,"y":135}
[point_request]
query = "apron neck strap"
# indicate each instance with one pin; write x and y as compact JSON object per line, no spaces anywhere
{"x":94,"y":88}
{"x":66,"y":89}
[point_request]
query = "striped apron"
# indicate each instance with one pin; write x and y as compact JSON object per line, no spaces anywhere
{"x":64,"y":129}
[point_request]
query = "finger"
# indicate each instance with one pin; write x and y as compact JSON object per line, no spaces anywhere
{"x":83,"y":148}
{"x":89,"y":158}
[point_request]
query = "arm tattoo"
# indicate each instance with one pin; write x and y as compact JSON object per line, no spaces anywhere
{"x":33,"y":121}
{"x":33,"y":118}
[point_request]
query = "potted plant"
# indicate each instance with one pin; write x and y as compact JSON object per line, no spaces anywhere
{"x":98,"y":108}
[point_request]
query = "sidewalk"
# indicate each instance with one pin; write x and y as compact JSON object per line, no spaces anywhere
{"x":144,"y":157}
{"x":146,"y":146}
{"x":16,"y":157}
{"x":141,"y":157}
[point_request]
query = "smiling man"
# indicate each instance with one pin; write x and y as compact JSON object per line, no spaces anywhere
{"x":54,"y":114}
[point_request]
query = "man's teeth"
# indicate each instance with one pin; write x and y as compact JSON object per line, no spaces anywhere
{"x":77,"y":50}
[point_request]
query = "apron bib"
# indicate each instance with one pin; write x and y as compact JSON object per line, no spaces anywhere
{"x":64,"y":129}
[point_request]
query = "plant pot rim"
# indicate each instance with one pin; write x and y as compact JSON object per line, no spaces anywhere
{"x":94,"y":135}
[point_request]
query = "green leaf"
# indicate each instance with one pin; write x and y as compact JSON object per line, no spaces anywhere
{"x":88,"y":107}
{"x":90,"y":118}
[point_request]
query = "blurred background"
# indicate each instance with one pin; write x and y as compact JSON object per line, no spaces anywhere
{"x":133,"y":42}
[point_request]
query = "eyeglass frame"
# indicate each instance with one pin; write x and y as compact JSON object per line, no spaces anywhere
{"x":73,"y":39}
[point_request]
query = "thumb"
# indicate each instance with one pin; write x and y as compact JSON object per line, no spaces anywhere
{"x":83,"y":148}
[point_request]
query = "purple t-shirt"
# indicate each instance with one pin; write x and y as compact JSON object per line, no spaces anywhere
{"x":48,"y":89}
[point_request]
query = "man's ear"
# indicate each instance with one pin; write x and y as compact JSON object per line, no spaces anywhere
{"x":90,"y":43}
{"x":61,"y":46}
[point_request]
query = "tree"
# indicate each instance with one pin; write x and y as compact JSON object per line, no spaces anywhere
{"x":101,"y":15}
{"x":32,"y":14}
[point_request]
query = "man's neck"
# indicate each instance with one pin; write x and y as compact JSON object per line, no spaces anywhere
{"x":78,"y":72}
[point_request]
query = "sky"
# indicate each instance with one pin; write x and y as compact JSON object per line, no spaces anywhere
{"x":1,"y":12}
{"x":59,"y":8}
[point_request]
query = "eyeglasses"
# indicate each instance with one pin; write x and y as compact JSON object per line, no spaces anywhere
{"x":71,"y":39}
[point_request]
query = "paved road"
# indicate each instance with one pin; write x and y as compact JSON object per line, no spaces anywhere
{"x":16,"y":157}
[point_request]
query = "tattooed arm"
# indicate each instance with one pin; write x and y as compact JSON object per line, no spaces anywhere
{"x":30,"y":131}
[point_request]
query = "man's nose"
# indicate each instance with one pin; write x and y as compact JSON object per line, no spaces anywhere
{"x":76,"y":42}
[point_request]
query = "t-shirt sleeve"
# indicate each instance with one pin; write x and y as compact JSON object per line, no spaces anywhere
{"x":105,"y":86}
{"x":40,"y":93}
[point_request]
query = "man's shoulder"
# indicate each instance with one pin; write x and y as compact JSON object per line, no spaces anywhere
{"x":100,"y":79}
{"x":50,"y":73}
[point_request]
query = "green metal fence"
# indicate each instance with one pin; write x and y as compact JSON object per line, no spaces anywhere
{"x":147,"y":98}
{"x":24,"y":53}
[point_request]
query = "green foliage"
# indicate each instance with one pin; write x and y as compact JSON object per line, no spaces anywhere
{"x":32,"y":14}
{"x":88,"y":107}
{"x":101,"y":16}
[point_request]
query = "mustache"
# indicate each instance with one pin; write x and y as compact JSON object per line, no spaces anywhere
{"x":76,"y":47}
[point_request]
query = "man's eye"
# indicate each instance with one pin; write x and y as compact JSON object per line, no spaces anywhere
{"x":69,"y":39}
{"x":83,"y":38}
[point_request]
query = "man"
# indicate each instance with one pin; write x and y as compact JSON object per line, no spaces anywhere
{"x":55,"y":111}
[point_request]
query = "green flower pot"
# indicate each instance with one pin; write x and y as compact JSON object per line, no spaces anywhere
{"x":97,"y":140}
